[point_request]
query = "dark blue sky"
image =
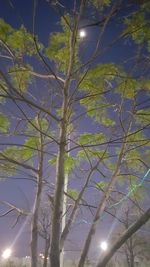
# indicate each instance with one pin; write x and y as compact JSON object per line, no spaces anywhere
{"x":17,"y":12}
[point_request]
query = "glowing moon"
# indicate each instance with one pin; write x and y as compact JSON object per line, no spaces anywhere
{"x":82,"y":33}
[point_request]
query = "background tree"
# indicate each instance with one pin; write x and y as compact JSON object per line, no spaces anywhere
{"x":44,"y":230}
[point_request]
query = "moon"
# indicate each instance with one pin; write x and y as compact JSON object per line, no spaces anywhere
{"x":82,"y":33}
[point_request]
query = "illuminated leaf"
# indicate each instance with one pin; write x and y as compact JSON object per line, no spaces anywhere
{"x":127,"y":88}
{"x":91,"y":139}
{"x":72,"y":193}
{"x":20,"y":77}
{"x":101,"y":185}
{"x":4,"y":123}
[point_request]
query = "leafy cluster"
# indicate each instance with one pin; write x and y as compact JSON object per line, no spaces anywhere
{"x":137,"y":24}
{"x":59,"y":46}
{"x":19,"y":41}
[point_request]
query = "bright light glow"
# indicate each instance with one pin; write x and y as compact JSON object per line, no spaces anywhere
{"x":104,"y":245}
{"x":6,"y":253}
{"x":82,"y":34}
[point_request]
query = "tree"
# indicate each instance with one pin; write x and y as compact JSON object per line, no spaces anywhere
{"x":136,"y":247}
{"x":125,"y":236}
{"x":44,"y":230}
{"x":77,"y":90}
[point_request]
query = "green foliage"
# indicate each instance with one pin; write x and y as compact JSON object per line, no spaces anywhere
{"x":127,"y":88}
{"x":20,"y":76}
{"x":91,"y":138}
{"x":96,"y":110}
{"x":135,"y":139}
{"x":34,"y":122}
{"x":5,"y":30}
{"x":69,"y":164}
{"x":132,"y":159}
{"x":21,"y":42}
{"x":92,"y":154}
{"x":32,"y":144}
{"x":142,"y":116}
{"x":101,"y":185}
{"x":18,"y":154}
{"x":72,"y":193}
{"x":97,"y":81}
{"x":3,"y":90}
{"x":145,"y":84}
{"x":137,"y":25}
{"x":58,"y":46}
{"x":52,"y":161}
{"x":4,"y":123}
{"x":100,"y":3}
{"x":7,"y":169}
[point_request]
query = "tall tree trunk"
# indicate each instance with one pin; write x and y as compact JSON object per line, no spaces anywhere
{"x":57,"y":214}
{"x":125,"y":236}
{"x":60,"y":176}
{"x":34,"y":224}
{"x":46,"y":251}
{"x":131,"y":253}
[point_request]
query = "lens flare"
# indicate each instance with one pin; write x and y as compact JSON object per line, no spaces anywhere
{"x":6,"y":253}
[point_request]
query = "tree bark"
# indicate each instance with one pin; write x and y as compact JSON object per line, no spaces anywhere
{"x":35,"y":212}
{"x":125,"y":236}
{"x":47,"y":246}
{"x":60,"y":176}
{"x":57,"y":214}
{"x":34,"y":226}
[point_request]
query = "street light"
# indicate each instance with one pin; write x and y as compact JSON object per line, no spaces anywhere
{"x":104,"y":245}
{"x":6,"y":253}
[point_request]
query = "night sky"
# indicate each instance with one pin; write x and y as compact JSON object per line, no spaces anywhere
{"x":20,"y":192}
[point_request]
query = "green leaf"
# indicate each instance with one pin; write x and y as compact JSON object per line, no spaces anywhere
{"x":132,"y":159}
{"x":101,"y":185}
{"x":17,"y":153}
{"x":137,"y":25}
{"x":127,"y":88}
{"x":91,"y":138}
{"x":69,"y":163}
{"x":20,"y":76}
{"x":91,"y":154}
{"x":52,"y":161}
{"x":142,"y":116}
{"x":21,"y":42}
{"x":7,"y":169}
{"x":98,"y":78}
{"x":4,"y":123}
{"x":34,"y":122}
{"x":32,"y":144}
{"x":72,"y":193}
{"x":99,"y":4}
{"x":145,"y":84}
{"x":5,"y":30}
{"x":59,"y":46}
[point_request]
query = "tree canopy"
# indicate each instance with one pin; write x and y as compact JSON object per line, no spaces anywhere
{"x":76,"y":111}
